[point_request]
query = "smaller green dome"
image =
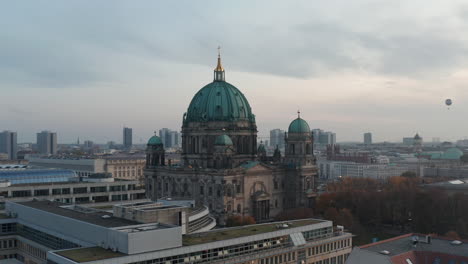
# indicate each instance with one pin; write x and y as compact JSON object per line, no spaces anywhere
{"x":154,"y":140}
{"x":299,"y":125}
{"x":223,"y":140}
{"x":452,"y":154}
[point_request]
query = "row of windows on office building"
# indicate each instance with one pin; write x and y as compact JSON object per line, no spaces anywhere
{"x":76,"y":190}
{"x":311,"y":252}
{"x":32,"y":251}
{"x":240,"y":250}
{"x":8,"y":228}
{"x":43,"y":238}
{"x":8,"y":244}
{"x":217,"y":253}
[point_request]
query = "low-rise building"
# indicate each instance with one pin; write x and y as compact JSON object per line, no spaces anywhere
{"x":54,"y":233}
{"x":82,"y":166}
{"x":129,"y":167}
{"x":329,"y":169}
{"x":411,"y":249}
{"x":451,"y":187}
{"x":20,"y":183}
{"x":192,"y":219}
{"x":74,"y":192}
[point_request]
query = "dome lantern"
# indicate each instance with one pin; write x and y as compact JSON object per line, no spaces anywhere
{"x":219,"y":70}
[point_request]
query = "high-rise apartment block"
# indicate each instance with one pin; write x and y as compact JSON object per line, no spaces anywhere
{"x":277,"y":138}
{"x":170,"y":138}
{"x":368,"y":138}
{"x":8,"y":144}
{"x":47,"y":142}
{"x":323,"y":138}
{"x":127,"y":137}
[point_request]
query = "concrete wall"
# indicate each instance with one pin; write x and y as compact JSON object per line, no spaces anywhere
{"x":165,"y":238}
{"x":87,"y":234}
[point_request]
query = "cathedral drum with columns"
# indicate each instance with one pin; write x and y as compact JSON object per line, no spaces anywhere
{"x":222,"y":167}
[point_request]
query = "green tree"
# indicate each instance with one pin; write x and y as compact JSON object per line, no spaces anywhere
{"x":408,"y":174}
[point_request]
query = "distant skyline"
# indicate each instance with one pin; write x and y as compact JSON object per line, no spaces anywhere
{"x":86,"y":69}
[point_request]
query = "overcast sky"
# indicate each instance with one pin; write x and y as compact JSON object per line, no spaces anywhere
{"x":87,"y":68}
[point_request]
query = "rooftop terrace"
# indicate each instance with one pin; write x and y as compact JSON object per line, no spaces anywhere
{"x":91,"y":216}
{"x":236,"y":232}
{"x":89,"y":254}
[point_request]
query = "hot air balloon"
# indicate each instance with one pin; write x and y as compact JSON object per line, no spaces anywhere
{"x":448,"y":103}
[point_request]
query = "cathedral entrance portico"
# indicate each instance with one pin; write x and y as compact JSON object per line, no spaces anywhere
{"x":261,"y":206}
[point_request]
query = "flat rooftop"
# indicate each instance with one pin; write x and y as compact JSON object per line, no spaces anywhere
{"x":402,"y":244}
{"x":89,"y":254}
{"x":116,"y":181}
{"x":91,"y":216}
{"x":236,"y":232}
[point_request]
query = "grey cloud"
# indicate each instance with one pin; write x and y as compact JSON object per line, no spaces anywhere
{"x":71,"y":46}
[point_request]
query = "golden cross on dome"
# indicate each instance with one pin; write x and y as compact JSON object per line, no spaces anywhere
{"x":298,"y":114}
{"x":219,"y":51}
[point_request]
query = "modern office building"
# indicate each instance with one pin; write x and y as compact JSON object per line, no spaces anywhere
{"x":127,"y":137}
{"x":327,"y":138}
{"x":368,"y":138}
{"x":169,"y":138}
{"x":82,"y":166}
{"x":192,"y":219}
{"x":54,"y":233}
{"x":47,"y":142}
{"x":129,"y":167}
{"x":411,"y":249}
{"x":88,"y":144}
{"x":22,"y":184}
{"x":277,"y":138}
{"x":408,"y":141}
{"x":8,"y":144}
{"x":323,"y":138}
{"x":329,"y":169}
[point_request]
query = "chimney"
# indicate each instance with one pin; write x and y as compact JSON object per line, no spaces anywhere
{"x":428,"y":239}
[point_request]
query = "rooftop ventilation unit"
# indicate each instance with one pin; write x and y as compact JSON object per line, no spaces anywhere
{"x":384,"y":252}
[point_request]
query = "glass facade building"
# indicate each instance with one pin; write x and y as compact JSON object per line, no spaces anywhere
{"x":36,"y":176}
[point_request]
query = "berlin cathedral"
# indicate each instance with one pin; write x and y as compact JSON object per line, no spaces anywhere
{"x":221,"y":165}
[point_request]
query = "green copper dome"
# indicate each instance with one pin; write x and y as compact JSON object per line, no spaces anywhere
{"x":223,"y":140}
{"x":154,"y":140}
{"x":219,"y":101}
{"x":299,"y":125}
{"x":452,"y":154}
